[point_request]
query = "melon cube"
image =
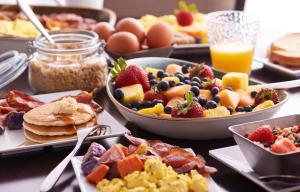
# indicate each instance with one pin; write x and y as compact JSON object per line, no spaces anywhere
{"x":177,"y":91}
{"x":175,"y":101}
{"x":229,"y":98}
{"x":220,"y":111}
{"x":204,"y":93}
{"x":235,"y":80}
{"x":173,"y":68}
{"x":132,"y":93}
{"x":245,"y":98}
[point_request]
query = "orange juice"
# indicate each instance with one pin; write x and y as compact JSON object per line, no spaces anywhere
{"x":232,"y":57}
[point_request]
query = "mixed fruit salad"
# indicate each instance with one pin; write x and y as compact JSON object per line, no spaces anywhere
{"x":188,"y":91}
{"x":277,"y":139}
{"x":145,"y":165}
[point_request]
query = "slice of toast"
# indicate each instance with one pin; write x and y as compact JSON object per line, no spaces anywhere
{"x":286,"y":50}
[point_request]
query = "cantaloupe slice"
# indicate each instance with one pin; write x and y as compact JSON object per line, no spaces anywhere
{"x":245,"y":98}
{"x":173,"y":68}
{"x":204,"y":93}
{"x":175,"y":101}
{"x":229,"y":98}
{"x":177,"y":91}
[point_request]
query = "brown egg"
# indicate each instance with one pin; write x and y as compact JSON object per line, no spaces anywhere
{"x":133,"y":26}
{"x":104,"y":30}
{"x":122,"y":43}
{"x":160,"y":35}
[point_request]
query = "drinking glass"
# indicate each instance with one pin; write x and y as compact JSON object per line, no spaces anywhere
{"x":232,"y":36}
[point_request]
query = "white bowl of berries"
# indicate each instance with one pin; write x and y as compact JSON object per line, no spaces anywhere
{"x":181,"y":99}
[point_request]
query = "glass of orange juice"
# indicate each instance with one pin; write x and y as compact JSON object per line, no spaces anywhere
{"x":232,"y":37}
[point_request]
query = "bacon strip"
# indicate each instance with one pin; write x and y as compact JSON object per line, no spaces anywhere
{"x":181,"y":160}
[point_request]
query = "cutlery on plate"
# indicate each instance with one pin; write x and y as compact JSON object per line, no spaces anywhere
{"x":283,"y":84}
{"x":288,"y":179}
{"x":24,"y":6}
{"x":54,"y":175}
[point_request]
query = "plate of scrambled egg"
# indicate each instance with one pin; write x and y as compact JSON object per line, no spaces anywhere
{"x":156,"y":177}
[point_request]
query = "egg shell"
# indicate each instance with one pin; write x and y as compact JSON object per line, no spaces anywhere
{"x":160,"y":35}
{"x":122,"y":43}
{"x":133,"y":26}
{"x":104,"y":30}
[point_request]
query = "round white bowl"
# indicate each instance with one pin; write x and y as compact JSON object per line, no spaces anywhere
{"x":188,"y":128}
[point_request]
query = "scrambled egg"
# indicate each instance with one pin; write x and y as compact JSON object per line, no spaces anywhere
{"x":18,"y":28}
{"x":156,"y":177}
{"x":67,"y":105}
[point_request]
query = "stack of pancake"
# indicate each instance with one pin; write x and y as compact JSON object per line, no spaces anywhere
{"x":44,"y":124}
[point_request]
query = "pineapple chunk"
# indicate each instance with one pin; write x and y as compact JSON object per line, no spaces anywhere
{"x":220,"y":111}
{"x":229,"y":98}
{"x":152,"y":70}
{"x":264,"y":105}
{"x":235,"y":81}
{"x":157,"y":109}
{"x":256,"y":88}
{"x":175,"y":79}
{"x":133,"y":93}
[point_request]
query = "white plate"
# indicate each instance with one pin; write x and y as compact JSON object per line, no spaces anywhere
{"x":233,"y":158}
{"x":12,"y":141}
{"x":88,"y":187}
{"x":187,"y":128}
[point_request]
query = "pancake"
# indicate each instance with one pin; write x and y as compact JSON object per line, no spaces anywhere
{"x":43,"y":116}
{"x":56,"y":130}
{"x":46,"y":139}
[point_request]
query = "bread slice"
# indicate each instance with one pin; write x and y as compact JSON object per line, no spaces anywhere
{"x":286,"y":50}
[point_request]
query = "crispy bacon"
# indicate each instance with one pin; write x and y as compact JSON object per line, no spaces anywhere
{"x":21,"y":101}
{"x":180,"y":159}
{"x":87,"y":98}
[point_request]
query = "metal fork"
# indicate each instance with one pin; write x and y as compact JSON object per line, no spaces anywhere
{"x":54,"y":175}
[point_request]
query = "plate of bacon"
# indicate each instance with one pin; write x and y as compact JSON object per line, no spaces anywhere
{"x":143,"y":165}
{"x":30,"y":123}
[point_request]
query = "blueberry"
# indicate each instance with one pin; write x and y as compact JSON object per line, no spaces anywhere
{"x":186,"y":78}
{"x":202,"y":101}
{"x":150,"y":76}
{"x":129,"y":106}
{"x":195,"y":90}
{"x":134,"y":109}
{"x":147,"y":104}
{"x":165,"y":75}
{"x":230,"y":109}
{"x":171,"y":83}
{"x":153,"y":82}
{"x":187,"y":81}
{"x":248,"y":108}
{"x":215,"y":90}
{"x":156,"y":101}
{"x":180,"y":77}
{"x":211,"y":104}
{"x":185,"y":69}
{"x":160,"y":74}
{"x":136,"y":105}
{"x":118,"y":94}
{"x":197,"y":40}
{"x":229,"y":88}
{"x":163,"y":86}
{"x":195,"y":99}
{"x":240,"y":109}
{"x":180,"y":83}
{"x":168,"y":109}
{"x":253,"y":93}
{"x":195,"y":83}
{"x":216,"y":98}
{"x":197,"y":79}
{"x":177,"y":73}
{"x":297,"y":141}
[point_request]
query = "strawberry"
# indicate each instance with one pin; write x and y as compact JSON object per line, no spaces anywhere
{"x":184,"y":15}
{"x":202,"y":71}
{"x":188,"y":109}
{"x":152,"y":94}
{"x":262,"y":134}
{"x":125,"y":75}
{"x":283,"y":145}
{"x":266,"y":94}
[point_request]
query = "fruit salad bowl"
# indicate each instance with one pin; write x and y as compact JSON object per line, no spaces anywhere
{"x":200,"y":128}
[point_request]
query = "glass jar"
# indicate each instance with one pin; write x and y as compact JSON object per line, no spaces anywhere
{"x":76,"y":61}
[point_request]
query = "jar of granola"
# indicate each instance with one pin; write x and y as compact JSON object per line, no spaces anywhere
{"x":76,"y":61}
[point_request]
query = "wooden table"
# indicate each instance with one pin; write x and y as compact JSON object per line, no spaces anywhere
{"x":26,"y":172}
